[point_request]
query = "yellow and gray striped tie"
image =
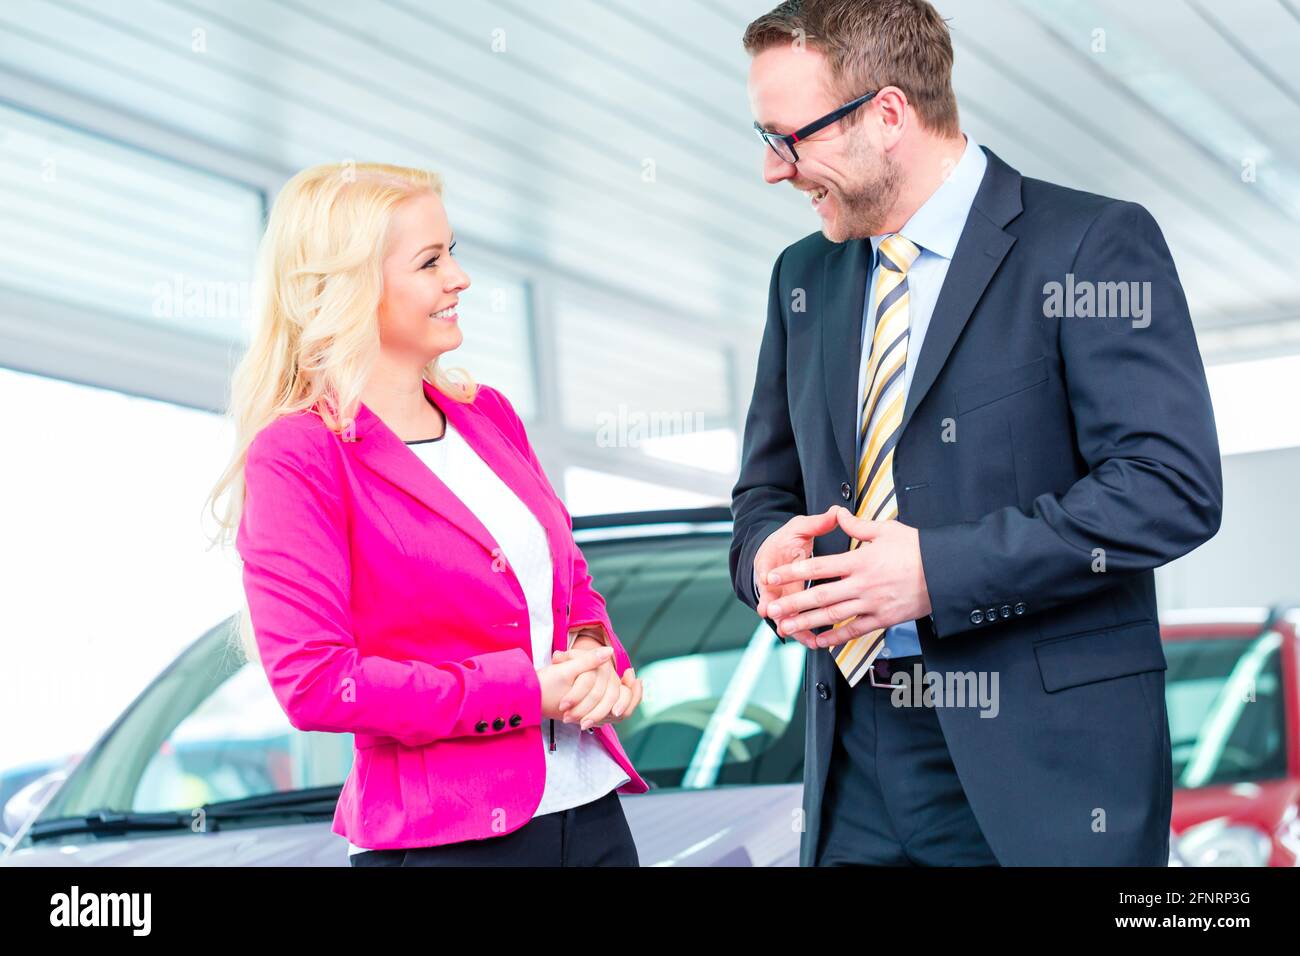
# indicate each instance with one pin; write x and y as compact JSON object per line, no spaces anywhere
{"x":882,"y":419}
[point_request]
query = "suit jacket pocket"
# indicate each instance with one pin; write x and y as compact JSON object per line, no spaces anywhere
{"x":1099,"y":655}
{"x":1004,"y":383}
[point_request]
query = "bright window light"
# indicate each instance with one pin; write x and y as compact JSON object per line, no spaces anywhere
{"x":716,"y":449}
{"x":1254,"y":404}
{"x":588,"y":492}
{"x":106,"y":572}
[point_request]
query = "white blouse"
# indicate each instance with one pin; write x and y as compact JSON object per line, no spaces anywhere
{"x":579,"y":769}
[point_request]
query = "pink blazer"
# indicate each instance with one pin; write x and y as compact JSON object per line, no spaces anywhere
{"x":382,"y":607}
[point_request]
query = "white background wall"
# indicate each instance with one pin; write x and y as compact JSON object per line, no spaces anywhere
{"x":1255,"y":557}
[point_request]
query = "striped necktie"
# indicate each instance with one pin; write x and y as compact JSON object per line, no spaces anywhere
{"x":882,"y":420}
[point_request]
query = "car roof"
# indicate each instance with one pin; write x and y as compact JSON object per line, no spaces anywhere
{"x":718,"y":520}
{"x":647,"y":524}
{"x":1214,"y":615}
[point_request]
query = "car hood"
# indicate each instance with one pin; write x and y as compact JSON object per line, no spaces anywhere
{"x":1262,"y":804}
{"x":725,"y":826}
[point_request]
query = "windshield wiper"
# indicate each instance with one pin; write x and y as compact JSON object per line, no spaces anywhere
{"x":107,"y":821}
{"x":311,"y":800}
{"x":309,"y":803}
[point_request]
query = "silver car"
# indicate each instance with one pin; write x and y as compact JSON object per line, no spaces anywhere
{"x":203,"y":769}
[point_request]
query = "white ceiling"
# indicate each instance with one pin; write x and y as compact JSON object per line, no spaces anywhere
{"x":547,"y":143}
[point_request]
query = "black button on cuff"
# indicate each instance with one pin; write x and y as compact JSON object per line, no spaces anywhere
{"x":977,"y":616}
{"x":1004,"y":611}
{"x":1020,"y":608}
{"x":498,"y":724}
{"x":515,"y":720}
{"x":481,"y":727}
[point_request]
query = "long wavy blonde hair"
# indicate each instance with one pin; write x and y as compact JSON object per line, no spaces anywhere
{"x":316,"y":292}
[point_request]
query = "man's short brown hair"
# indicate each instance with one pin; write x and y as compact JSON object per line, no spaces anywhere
{"x":870,"y":44}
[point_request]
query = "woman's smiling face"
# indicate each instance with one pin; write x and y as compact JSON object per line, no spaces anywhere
{"x":422,"y":283}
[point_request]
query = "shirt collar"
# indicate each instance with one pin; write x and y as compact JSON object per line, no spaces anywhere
{"x":937,"y":225}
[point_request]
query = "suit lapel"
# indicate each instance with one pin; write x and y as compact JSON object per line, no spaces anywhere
{"x":844,"y":285}
{"x":980,"y":251}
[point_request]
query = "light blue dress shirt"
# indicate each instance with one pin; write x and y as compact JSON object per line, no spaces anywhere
{"x":935,"y":228}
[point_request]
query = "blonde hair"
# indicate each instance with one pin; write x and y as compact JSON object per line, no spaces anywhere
{"x":316,"y":292}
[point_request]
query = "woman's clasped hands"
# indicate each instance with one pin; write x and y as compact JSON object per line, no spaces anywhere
{"x":582,"y":686}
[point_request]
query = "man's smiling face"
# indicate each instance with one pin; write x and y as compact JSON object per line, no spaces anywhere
{"x":850,"y":179}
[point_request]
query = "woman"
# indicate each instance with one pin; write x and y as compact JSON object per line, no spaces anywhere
{"x":411,"y":575}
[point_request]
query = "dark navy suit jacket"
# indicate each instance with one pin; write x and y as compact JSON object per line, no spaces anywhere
{"x":1050,"y":463}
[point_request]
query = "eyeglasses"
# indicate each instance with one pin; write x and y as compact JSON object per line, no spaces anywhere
{"x":783,"y":146}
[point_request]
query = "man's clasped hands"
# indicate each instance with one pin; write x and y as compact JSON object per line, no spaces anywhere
{"x":876,"y":585}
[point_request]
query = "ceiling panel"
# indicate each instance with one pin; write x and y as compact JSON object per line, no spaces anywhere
{"x":544,"y":139}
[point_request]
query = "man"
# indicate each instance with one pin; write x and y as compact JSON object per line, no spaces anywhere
{"x":979,"y":421}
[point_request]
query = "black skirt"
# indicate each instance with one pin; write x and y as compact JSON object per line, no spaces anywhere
{"x":593,"y":834}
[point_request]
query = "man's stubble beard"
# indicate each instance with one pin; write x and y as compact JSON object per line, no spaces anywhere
{"x":863,"y":212}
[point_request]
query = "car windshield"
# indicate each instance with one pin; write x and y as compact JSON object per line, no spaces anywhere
{"x":722,"y":703}
{"x":1226,"y":710}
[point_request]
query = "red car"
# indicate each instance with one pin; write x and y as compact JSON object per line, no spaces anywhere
{"x":1233,"y":694}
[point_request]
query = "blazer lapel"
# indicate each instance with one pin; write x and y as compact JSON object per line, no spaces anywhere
{"x":379,"y":449}
{"x":508,"y":463}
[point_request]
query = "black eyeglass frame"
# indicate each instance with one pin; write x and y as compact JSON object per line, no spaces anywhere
{"x":788,"y":140}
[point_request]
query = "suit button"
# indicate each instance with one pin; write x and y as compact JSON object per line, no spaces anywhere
{"x":1004,"y":611}
{"x":977,"y":616}
{"x":480,"y":727}
{"x":845,"y":491}
{"x":1020,"y":608}
{"x":515,"y":720}
{"x":498,"y":724}
{"x":991,"y":615}
{"x":822,"y":692}
{"x":566,"y":610}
